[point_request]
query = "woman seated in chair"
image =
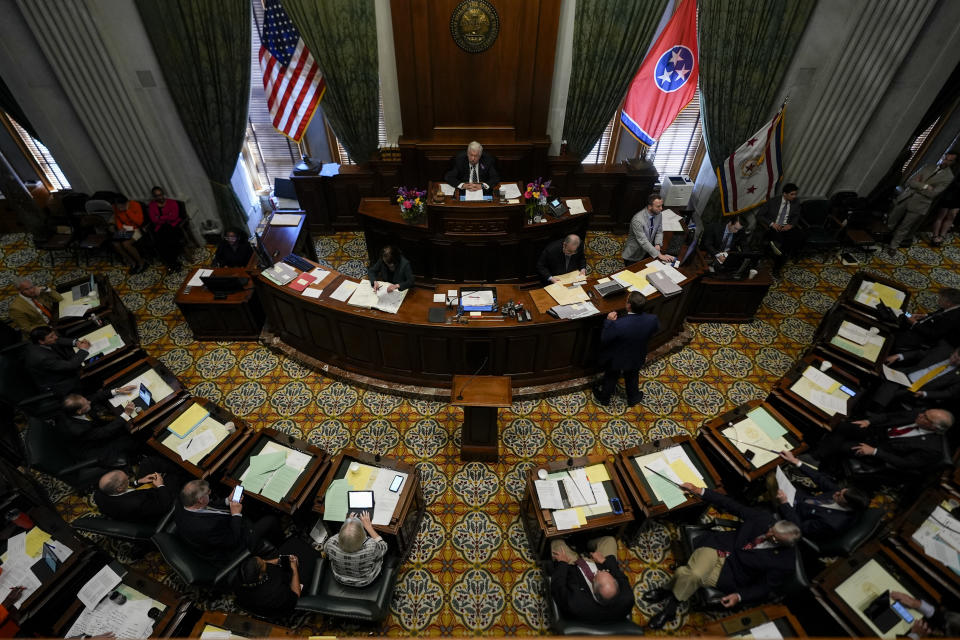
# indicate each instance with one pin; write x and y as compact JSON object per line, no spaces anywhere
{"x":128,"y":216}
{"x":270,"y":588}
{"x":233,"y":250}
{"x":165,"y":217}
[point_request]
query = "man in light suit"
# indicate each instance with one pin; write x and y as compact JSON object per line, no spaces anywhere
{"x":623,"y":349}
{"x":646,"y":233}
{"x":34,"y":307}
{"x":912,"y":204}
{"x":473,"y":169}
{"x":935,"y":374}
{"x":778,"y":218}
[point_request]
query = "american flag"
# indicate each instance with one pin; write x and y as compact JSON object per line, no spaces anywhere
{"x":291,"y":79}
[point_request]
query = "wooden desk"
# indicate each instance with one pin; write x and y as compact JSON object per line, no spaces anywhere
{"x":239,"y":625}
{"x":828,"y":329}
{"x":172,"y":610}
{"x":907,"y":524}
{"x":843,"y":569}
{"x":727,"y":452}
{"x":106,"y":295}
{"x":480,"y":397}
{"x":124,"y":323}
{"x":467,"y":241}
{"x":847,"y":298}
{"x":238,"y":316}
{"x":403,"y":527}
{"x":160,"y":407}
{"x":793,"y":405}
{"x":539,"y":525}
{"x":740,"y":623}
{"x":408,"y":349}
{"x":644,"y":498}
{"x":281,"y":241}
{"x":304,"y":488}
{"x":219,"y":455}
{"x":726,"y":300}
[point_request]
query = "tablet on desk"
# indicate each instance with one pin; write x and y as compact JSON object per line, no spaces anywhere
{"x":358,"y":501}
{"x":145,"y":396}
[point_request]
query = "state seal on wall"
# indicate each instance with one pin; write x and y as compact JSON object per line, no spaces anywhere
{"x":474,"y":25}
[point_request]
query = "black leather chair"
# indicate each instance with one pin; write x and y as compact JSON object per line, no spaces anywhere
{"x":328,"y":597}
{"x":192,"y":568}
{"x":567,"y":627}
{"x":45,"y":452}
{"x":870,"y":474}
{"x":851,"y":538}
{"x":134,"y":531}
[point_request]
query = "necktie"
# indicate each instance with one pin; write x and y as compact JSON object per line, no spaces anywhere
{"x":726,"y":240}
{"x":473,"y":173}
{"x":893,"y":432}
{"x":43,"y":308}
{"x":585,"y":568}
{"x":782,"y":216}
{"x":650,"y":232}
{"x":755,"y":542}
{"x":928,"y":376}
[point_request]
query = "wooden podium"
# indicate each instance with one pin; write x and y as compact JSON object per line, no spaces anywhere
{"x":481,"y":397}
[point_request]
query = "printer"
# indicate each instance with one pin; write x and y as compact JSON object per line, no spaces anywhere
{"x":676,"y":191}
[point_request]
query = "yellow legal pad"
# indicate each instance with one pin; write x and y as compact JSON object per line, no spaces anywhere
{"x":188,"y":420}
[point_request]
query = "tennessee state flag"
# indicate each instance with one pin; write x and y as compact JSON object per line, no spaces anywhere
{"x":667,"y":79}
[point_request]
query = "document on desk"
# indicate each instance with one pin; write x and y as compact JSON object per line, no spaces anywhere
{"x":896,"y":376}
{"x":343,"y":292}
{"x":670,"y":494}
{"x":446,"y":189}
{"x":473,"y":196}
{"x":681,"y":464}
{"x":672,"y":273}
{"x":285,"y":219}
{"x":104,"y":340}
{"x":820,"y":379}
{"x":311,"y":293}
{"x":510,"y":190}
{"x":672,"y":221}
{"x":784,"y":484}
{"x":566,"y":295}
{"x":389,"y":302}
{"x":471,"y":298}
{"x":863,"y":586}
{"x":566,"y":519}
{"x":852,"y":332}
{"x":575,"y":206}
{"x":872,"y":293}
{"x":830,"y":403}
{"x":568,"y":278}
{"x":747,"y":435}
{"x":98,"y":586}
{"x":195,"y":281}
{"x":151,"y":380}
{"x":385,"y":501}
{"x":548,"y":494}
{"x":129,"y":620}
{"x":765,"y":631}
{"x":603,"y":502}
{"x":335,"y":501}
{"x":73,"y":310}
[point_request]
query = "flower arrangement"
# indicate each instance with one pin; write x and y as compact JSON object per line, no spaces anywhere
{"x":537,"y":192}
{"x":412,"y":203}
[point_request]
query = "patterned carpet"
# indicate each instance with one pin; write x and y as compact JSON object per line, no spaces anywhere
{"x":470,"y":572}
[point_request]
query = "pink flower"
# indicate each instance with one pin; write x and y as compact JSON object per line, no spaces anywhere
{"x":408,"y":204}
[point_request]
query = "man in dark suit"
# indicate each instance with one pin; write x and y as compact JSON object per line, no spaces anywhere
{"x":91,"y":429}
{"x":924,"y":330}
{"x":219,"y":534}
{"x":778,"y":218}
{"x":590,"y":588}
{"x":123,"y":497}
{"x":473,"y":169}
{"x":824,"y":514}
{"x":725,"y":236}
{"x":748,"y":564}
{"x":901,"y":445}
{"x":51,"y":361}
{"x":560,"y":257}
{"x":935,"y":375}
{"x":623,"y":349}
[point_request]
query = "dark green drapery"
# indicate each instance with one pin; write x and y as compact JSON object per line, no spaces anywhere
{"x":745,"y":48}
{"x":204,"y":52}
{"x":8,"y":103}
{"x":342,"y":36}
{"x":609,"y":40}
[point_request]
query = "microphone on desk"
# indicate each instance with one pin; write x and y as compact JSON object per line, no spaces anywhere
{"x":475,"y":374}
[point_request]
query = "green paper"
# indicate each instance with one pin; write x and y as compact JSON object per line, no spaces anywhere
{"x":670,"y":494}
{"x":846,"y":345}
{"x":267,"y":462}
{"x":254,"y":482}
{"x":767,"y":423}
{"x":335,"y":502}
{"x":281,"y":483}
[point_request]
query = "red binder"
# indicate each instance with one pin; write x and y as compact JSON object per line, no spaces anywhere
{"x":301,"y":282}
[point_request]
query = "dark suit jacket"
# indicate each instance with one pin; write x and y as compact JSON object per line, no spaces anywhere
{"x":236,"y":256}
{"x":768,"y":212}
{"x":914,"y":454}
{"x":552,"y":261}
{"x":816,"y":521}
{"x":460,"y":171}
{"x":142,"y":505}
{"x":623,"y":343}
{"x":754,"y":573}
{"x":214,"y":536}
{"x":939,"y":325}
{"x":573,"y":597}
{"x":79,"y":432}
{"x":943,"y":387}
{"x":55,"y":367}
{"x":712,"y":240}
{"x":402,"y":275}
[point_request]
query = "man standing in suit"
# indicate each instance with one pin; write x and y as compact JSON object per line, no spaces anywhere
{"x":824,"y":514}
{"x":51,"y":361}
{"x":473,"y":169}
{"x":623,"y":349}
{"x":98,"y":433}
{"x":924,"y":330}
{"x":748,"y":564}
{"x":914,"y":201}
{"x":34,"y":307}
{"x":779,"y":219}
{"x":723,"y":237}
{"x":219,"y":534}
{"x":935,"y":375}
{"x":560,"y":257}
{"x":590,"y":588}
{"x":125,"y":498}
{"x":905,"y":443}
{"x":646,"y":233}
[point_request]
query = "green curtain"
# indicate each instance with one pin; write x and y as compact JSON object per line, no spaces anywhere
{"x":204,"y":52}
{"x":342,"y":36}
{"x":610,"y":39}
{"x":745,"y":49}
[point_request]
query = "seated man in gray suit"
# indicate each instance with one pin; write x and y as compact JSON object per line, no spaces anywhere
{"x":646,"y":233}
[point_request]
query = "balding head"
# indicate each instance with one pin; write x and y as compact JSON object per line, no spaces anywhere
{"x":937,"y":420}
{"x":352,"y":536}
{"x":605,"y":587}
{"x":113,"y":483}
{"x":571,"y":244}
{"x":195,"y":494}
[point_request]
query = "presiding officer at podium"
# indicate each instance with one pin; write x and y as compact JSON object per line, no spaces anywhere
{"x":473,"y":169}
{"x":392,"y":270}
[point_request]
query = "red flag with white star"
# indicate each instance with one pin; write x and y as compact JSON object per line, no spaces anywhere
{"x":749,"y":176}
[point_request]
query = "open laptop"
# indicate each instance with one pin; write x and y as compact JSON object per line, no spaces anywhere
{"x":83,"y":290}
{"x":360,"y":501}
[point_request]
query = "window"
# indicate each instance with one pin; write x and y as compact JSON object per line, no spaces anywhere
{"x":43,"y":162}
{"x":675,"y":153}
{"x":267,"y":153}
{"x":339,"y":152}
{"x":918,"y":144}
